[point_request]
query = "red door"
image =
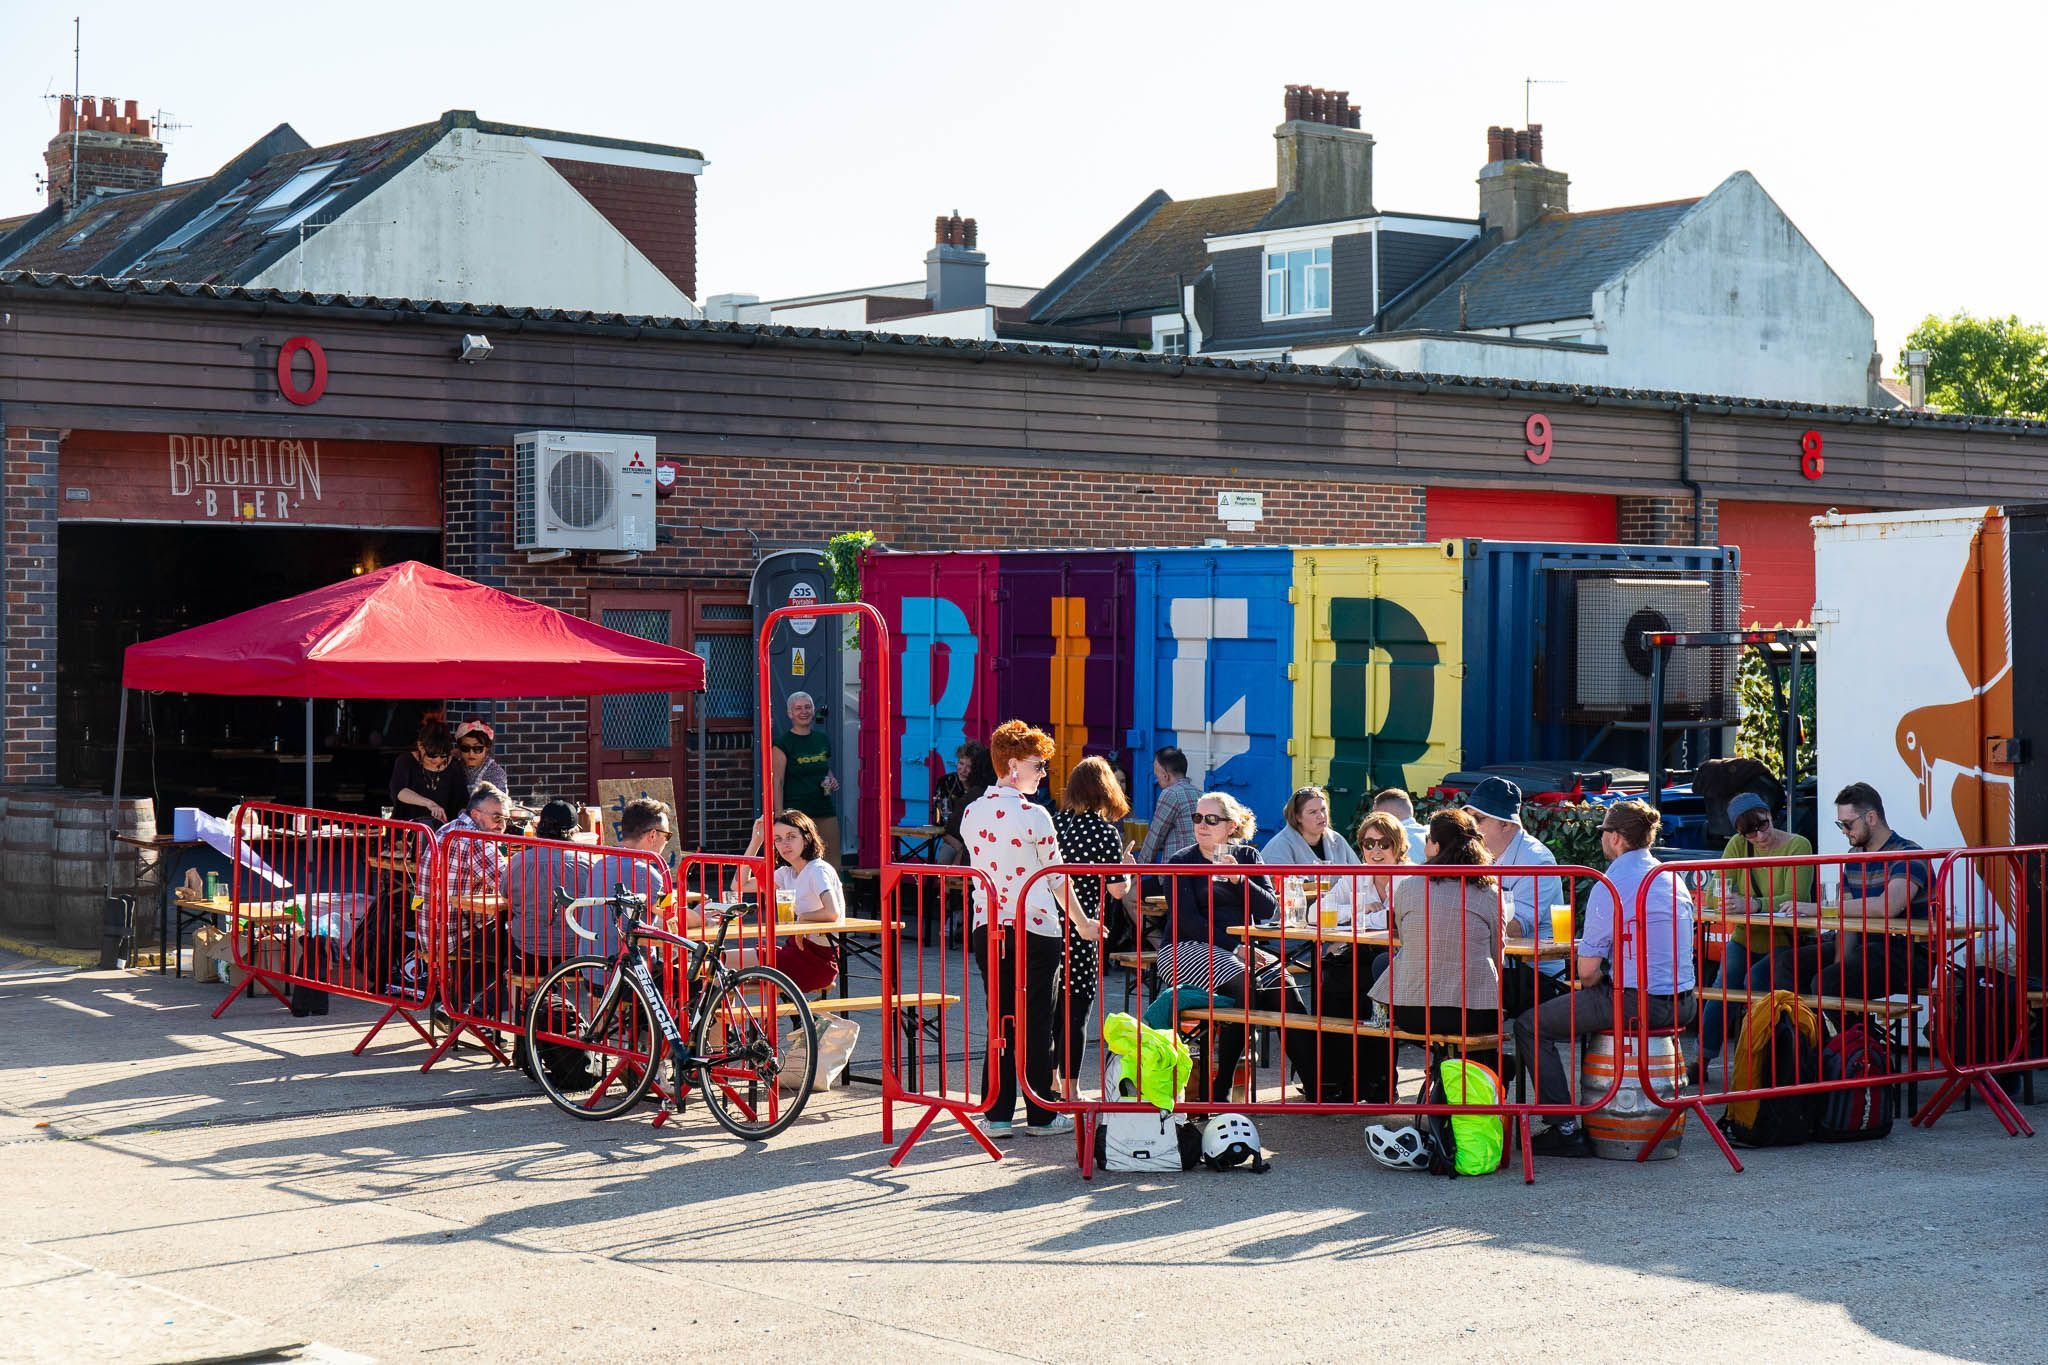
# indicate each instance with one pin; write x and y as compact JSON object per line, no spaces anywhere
{"x":631,"y":735}
{"x":1776,"y":540}
{"x":1502,"y":514}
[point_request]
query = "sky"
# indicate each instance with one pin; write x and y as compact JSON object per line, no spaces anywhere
{"x":1895,"y":136}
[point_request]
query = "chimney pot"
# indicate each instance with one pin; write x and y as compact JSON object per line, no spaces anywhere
{"x":66,"y":113}
{"x":1536,"y":142}
{"x":939,"y":230}
{"x":973,"y":234}
{"x":1521,"y":144}
{"x":1355,"y":121}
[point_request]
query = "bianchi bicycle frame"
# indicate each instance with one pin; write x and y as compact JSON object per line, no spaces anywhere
{"x":631,"y":960}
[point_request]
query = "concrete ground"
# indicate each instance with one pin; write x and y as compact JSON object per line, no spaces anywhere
{"x":183,"y":1189}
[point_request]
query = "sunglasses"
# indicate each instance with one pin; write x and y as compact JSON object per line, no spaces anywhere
{"x":1753,"y":826}
{"x":1039,"y":765}
{"x":1846,"y":825}
{"x":1202,"y":819}
{"x":1376,"y":843}
{"x":469,"y":748}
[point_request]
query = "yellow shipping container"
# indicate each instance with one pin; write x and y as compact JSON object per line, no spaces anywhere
{"x":1379,"y":671}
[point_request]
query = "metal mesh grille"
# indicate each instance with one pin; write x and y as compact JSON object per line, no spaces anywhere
{"x":1611,"y":606}
{"x":524,"y":518}
{"x":728,"y":676}
{"x":637,"y":720}
{"x":728,"y":611}
{"x":580,"y":490}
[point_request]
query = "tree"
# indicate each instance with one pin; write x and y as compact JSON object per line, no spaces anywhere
{"x":1995,"y":367}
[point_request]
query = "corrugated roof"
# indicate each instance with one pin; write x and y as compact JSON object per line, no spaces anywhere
{"x":639,"y":326}
{"x":1135,"y":274}
{"x":1550,"y":271}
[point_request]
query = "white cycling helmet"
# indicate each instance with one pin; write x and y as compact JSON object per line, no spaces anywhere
{"x":1229,"y":1140}
{"x":1405,"y":1148}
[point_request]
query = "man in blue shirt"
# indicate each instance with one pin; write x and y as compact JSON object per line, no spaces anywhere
{"x":1857,"y":965}
{"x":1525,"y":901}
{"x":1666,"y":975}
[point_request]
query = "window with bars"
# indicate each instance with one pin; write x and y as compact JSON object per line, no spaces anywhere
{"x":637,"y":720}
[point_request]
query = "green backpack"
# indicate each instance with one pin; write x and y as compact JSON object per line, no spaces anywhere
{"x":1464,"y":1144}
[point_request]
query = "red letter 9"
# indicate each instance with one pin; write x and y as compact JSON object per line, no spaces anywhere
{"x":1536,"y":430}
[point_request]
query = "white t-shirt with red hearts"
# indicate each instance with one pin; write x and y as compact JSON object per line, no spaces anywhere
{"x":1009,"y":838}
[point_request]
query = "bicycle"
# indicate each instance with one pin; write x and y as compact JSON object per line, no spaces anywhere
{"x":735,"y":1054}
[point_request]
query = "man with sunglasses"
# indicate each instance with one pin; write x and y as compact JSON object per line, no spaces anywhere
{"x":1852,"y":965}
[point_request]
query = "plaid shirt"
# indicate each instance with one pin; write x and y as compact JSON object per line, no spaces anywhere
{"x":1173,"y":823}
{"x":473,"y":865}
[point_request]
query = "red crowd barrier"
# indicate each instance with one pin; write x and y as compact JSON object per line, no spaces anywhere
{"x":490,"y":927}
{"x":1313,"y":990}
{"x":1846,"y":963}
{"x":322,"y":903}
{"x":941,"y":1040}
{"x":1994,"y":1012}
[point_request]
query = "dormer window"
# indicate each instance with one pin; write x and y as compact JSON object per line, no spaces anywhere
{"x":1297,"y":282}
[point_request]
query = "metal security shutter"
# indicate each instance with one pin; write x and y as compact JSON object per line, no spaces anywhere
{"x":1776,"y":540}
{"x":1502,"y":514}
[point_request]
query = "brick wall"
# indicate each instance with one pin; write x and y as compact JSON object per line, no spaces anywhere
{"x":1666,"y":520}
{"x":28,"y":643}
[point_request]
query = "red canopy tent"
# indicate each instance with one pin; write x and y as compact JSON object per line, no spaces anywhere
{"x":408,"y":630}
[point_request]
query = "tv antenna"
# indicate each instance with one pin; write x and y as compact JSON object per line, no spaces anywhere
{"x":1529,"y":85}
{"x":166,"y":122}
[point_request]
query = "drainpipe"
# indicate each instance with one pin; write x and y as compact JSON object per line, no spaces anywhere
{"x":1685,"y":477}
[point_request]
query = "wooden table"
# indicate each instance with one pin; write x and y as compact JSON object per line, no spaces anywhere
{"x":743,"y":931}
{"x":920,"y":842}
{"x":1522,"y":949}
{"x":1835,"y":922}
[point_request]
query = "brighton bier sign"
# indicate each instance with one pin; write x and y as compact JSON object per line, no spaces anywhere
{"x":249,"y":480}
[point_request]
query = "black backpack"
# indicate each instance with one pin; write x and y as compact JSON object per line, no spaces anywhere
{"x":1856,"y":1113}
{"x":1785,"y":1056}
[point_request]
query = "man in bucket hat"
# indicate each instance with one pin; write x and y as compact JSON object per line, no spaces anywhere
{"x":1526,"y":901}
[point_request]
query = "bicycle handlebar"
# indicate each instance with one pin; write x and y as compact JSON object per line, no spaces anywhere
{"x":621,"y":902}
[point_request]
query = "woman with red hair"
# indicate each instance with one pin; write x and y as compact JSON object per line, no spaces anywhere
{"x":1008,"y":838}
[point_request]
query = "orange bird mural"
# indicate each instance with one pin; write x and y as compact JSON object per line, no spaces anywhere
{"x":1959,"y":732}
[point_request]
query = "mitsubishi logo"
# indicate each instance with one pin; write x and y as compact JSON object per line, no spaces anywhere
{"x":636,"y":462}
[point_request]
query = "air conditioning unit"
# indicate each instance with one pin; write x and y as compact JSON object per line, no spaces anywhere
{"x":582,"y":490}
{"x":1613,"y":668}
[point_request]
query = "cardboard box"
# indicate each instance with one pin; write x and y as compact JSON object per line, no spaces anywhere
{"x":211,"y":957}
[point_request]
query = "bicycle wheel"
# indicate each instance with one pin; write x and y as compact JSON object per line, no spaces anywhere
{"x":591,"y":1073}
{"x":761,"y":1027}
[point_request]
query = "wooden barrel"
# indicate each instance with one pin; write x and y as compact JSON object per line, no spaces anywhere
{"x":1620,"y":1129}
{"x":25,"y":893}
{"x":79,"y":862}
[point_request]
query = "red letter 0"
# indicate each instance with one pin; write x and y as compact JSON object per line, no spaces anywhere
{"x":287,"y":382}
{"x":1811,"y":462}
{"x":1537,"y":432}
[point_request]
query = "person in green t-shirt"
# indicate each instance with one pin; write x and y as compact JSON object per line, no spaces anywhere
{"x":803,"y":773}
{"x":1751,"y":891}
